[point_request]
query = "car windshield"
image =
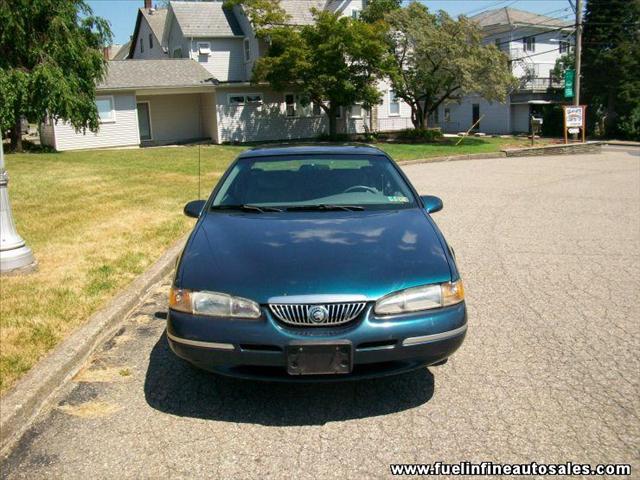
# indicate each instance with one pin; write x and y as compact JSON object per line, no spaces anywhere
{"x":328,"y":182}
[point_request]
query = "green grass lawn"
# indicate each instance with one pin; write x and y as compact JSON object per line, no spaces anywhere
{"x":96,"y":219}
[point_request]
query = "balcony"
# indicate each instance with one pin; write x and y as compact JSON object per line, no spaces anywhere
{"x":540,"y":84}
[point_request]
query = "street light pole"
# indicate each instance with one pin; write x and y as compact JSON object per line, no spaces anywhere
{"x":15,"y":256}
{"x":576,"y":95}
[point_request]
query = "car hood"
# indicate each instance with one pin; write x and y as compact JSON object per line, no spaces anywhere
{"x":262,"y":256}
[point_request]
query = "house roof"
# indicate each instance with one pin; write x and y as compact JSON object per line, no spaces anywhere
{"x":156,"y":20}
{"x":300,"y":10}
{"x":121,"y":53}
{"x":206,"y":19}
{"x":164,"y":73}
{"x":512,"y":16}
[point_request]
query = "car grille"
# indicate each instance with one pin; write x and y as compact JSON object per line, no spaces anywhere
{"x":317,"y":315}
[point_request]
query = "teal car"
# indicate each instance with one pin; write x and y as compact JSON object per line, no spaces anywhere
{"x":315,"y":263}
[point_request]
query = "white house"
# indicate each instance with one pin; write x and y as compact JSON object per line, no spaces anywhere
{"x":187,"y":77}
{"x":534,"y":43}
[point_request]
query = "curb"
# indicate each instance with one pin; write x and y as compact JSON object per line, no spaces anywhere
{"x":38,"y":388}
{"x":454,"y":158}
{"x":559,"y":149}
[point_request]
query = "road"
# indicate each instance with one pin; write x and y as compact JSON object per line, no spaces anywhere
{"x":549,"y":249}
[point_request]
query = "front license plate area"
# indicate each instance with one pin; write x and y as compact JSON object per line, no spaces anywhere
{"x":333,"y":358}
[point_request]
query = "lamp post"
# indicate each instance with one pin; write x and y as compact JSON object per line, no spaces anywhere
{"x":15,"y":256}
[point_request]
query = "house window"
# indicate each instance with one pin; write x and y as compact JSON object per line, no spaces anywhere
{"x":141,"y":46}
{"x":290,"y":104}
{"x":299,"y":106}
{"x":106,"y":112}
{"x":529,"y":44}
{"x":355,"y":14}
{"x":564,"y":46}
{"x":204,"y":49}
{"x":356,"y":111}
{"x":498,"y":42}
{"x":150,"y":41}
{"x":245,"y":99}
{"x":177,"y":52}
{"x":394,"y":104}
{"x":447,"y":115}
{"x":247,"y":50}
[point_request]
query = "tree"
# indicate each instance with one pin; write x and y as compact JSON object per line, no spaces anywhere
{"x":611,"y":65}
{"x":334,"y":63}
{"x":439,"y":59}
{"x":563,"y":63}
{"x":50,"y":59}
{"x":376,"y":10}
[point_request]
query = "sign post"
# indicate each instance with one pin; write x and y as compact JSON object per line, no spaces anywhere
{"x":575,"y":120}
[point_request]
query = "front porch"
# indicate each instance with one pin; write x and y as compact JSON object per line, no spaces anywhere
{"x":176,"y":117}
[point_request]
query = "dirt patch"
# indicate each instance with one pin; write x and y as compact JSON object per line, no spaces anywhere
{"x":102,"y":375}
{"x":92,"y":409}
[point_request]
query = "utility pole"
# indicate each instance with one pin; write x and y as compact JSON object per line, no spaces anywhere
{"x":15,"y":256}
{"x":576,"y":95}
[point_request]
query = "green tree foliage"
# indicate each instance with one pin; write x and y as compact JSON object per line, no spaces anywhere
{"x":439,"y":59}
{"x":50,"y":59}
{"x":376,"y":10}
{"x":336,"y":62}
{"x":611,"y":65}
{"x":564,"y":63}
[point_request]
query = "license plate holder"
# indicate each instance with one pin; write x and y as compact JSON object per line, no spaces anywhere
{"x":317,"y":358}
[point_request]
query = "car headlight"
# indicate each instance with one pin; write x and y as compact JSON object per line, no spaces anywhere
{"x":213,"y":304}
{"x":421,"y":298}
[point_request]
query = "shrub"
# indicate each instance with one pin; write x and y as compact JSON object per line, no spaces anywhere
{"x":420,"y":135}
{"x":629,"y":125}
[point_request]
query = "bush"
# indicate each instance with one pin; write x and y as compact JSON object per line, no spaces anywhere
{"x":420,"y":135}
{"x":629,"y":125}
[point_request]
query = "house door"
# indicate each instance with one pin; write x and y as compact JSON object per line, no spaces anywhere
{"x":476,"y":116}
{"x":144,"y":121}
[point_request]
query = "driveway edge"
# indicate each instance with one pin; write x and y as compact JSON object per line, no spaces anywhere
{"x":37,"y":388}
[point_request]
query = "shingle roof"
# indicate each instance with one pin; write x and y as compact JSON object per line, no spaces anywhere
{"x":121,"y":53}
{"x":300,"y":10}
{"x":206,"y":19}
{"x":156,"y":20}
{"x":513,"y":16}
{"x":165,"y":73}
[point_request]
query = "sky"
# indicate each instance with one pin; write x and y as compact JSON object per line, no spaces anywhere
{"x":122,"y":13}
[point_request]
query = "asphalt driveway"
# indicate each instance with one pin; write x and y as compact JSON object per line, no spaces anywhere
{"x":549,"y":249}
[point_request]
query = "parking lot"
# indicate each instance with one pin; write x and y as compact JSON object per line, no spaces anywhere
{"x":549,"y":248}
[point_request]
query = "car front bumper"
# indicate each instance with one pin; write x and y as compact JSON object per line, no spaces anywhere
{"x":256,"y":349}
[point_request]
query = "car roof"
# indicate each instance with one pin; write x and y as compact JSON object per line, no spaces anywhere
{"x":311,"y":149}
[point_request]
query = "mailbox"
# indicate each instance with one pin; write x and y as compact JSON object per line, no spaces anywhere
{"x":536,"y":121}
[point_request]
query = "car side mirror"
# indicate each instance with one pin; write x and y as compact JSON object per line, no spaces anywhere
{"x":432,"y":204}
{"x":194,"y":208}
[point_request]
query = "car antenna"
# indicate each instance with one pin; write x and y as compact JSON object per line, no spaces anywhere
{"x":199,"y":160}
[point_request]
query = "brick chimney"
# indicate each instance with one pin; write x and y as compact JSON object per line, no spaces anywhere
{"x":147,"y":4}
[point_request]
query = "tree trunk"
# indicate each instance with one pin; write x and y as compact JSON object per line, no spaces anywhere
{"x":414,"y":117}
{"x":16,"y":135}
{"x":419,"y":117}
{"x":333,"y":122}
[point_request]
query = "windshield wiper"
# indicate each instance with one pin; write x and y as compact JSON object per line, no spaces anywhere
{"x":324,"y":207}
{"x":246,"y":208}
